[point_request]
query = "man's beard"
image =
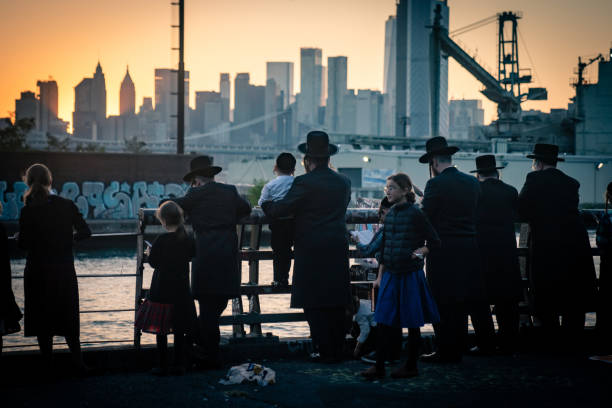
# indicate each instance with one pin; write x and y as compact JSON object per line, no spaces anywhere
{"x":432,"y":171}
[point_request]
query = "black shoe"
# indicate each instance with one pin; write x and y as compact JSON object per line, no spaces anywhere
{"x":371,"y":359}
{"x":437,"y":358}
{"x":479,"y":352}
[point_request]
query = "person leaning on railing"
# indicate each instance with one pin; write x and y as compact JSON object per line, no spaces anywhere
{"x":604,"y":297}
{"x":46,"y":231}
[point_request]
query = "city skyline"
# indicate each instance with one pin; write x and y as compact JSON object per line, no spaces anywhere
{"x":65,"y":62}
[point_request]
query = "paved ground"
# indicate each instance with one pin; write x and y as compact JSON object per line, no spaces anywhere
{"x":527,"y":380}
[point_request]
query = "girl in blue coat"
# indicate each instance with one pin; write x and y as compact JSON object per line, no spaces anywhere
{"x":404,"y":299}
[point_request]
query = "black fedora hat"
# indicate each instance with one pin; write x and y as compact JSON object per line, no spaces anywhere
{"x":437,"y":146}
{"x":201,"y":166}
{"x":546,"y":152}
{"x":317,"y":145}
{"x":486,"y":163}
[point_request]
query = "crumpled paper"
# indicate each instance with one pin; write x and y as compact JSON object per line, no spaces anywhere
{"x":249,"y":372}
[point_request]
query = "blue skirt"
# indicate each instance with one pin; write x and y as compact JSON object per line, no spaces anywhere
{"x":404,"y":300}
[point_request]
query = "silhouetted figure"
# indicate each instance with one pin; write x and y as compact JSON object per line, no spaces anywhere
{"x":453,"y":270}
{"x":169,"y":306}
{"x":213,"y":209}
{"x":283,"y":230}
{"x":321,"y":281}
{"x":404,"y":299}
{"x":48,"y":226}
{"x":495,"y":217}
{"x":561,"y":267}
{"x":604,"y":297}
{"x":10,"y":314}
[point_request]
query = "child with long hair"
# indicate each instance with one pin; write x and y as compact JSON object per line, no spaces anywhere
{"x":404,"y":299}
{"x":169,"y":307}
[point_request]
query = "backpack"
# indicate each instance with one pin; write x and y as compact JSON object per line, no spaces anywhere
{"x":603,"y":234}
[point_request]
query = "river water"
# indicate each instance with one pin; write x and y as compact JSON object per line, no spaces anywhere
{"x":99,"y":293}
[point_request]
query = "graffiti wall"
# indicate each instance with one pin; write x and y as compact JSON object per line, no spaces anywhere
{"x":97,"y":200}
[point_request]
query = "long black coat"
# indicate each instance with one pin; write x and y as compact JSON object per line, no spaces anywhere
{"x":213,"y":210}
{"x":454,"y":269}
{"x":562,"y":273}
{"x":46,"y":231}
{"x":495,"y":217}
{"x":318,"y":200}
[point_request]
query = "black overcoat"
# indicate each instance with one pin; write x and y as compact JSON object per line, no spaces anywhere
{"x":214,"y":209}
{"x":495,"y":217}
{"x":46,"y":232}
{"x":562,"y":274}
{"x":454,"y":269}
{"x":318,"y":200}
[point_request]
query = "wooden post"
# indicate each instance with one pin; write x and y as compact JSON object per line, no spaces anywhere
{"x":254,"y":306}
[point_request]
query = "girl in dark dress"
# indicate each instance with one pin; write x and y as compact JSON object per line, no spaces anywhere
{"x":10,"y":314}
{"x":169,"y":307}
{"x":48,"y":226}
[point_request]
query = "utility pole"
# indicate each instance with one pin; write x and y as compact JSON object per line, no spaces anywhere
{"x":180,"y":116}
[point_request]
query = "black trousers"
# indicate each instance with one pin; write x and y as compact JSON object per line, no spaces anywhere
{"x":211,"y":308}
{"x":451,"y":331}
{"x":482,"y":320}
{"x":327,"y":330}
{"x":283,"y":233}
{"x":508,"y":319}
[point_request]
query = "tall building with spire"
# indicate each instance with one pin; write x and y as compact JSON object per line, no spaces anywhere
{"x":127,"y":95}
{"x":90,"y":106}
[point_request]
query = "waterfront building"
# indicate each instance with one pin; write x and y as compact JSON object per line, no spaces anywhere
{"x":127,"y":95}
{"x":464,"y":114}
{"x":413,"y":84}
{"x":166,"y":88}
{"x":337,"y":70}
{"x":593,"y":126}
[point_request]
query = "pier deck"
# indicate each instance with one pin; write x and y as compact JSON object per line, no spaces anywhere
{"x":524,"y":380}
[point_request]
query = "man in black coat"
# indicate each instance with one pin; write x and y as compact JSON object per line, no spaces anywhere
{"x":561,"y":270}
{"x":213,"y":210}
{"x":321,"y":282}
{"x":495,"y":217}
{"x":453,"y":270}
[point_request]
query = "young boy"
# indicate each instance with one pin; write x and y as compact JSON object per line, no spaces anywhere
{"x":283,"y":230}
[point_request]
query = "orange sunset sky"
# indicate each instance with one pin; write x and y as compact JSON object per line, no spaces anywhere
{"x":64,"y":39}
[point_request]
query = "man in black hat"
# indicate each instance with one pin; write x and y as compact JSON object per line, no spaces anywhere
{"x":561,"y":271}
{"x":495,"y":217}
{"x":453,"y":270}
{"x":321,"y":282}
{"x":213,"y":210}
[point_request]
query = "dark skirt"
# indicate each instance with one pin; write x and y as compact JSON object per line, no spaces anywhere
{"x":51,"y":299}
{"x":404,"y":300}
{"x":154,"y":318}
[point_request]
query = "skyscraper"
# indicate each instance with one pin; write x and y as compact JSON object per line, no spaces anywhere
{"x":127,"y":95}
{"x":166,"y":88}
{"x":90,"y":106}
{"x":208,"y":111}
{"x":413,"y":84}
{"x":225,"y":90}
{"x":311,"y":86}
{"x":249,"y":104}
{"x":26,"y":107}
{"x":48,"y":104}
{"x":279,"y":84}
{"x":389,"y":88}
{"x":336,"y":85}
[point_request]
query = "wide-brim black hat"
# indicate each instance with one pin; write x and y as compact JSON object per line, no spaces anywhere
{"x":201,"y":166}
{"x":317,"y":145}
{"x":486,"y":163}
{"x":547,"y":152}
{"x":437,"y":146}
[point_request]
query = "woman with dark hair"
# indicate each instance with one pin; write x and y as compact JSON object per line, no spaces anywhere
{"x":47,"y":228}
{"x":10,"y":314}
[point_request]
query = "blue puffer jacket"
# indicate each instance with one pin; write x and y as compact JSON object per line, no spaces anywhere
{"x":406,"y":229}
